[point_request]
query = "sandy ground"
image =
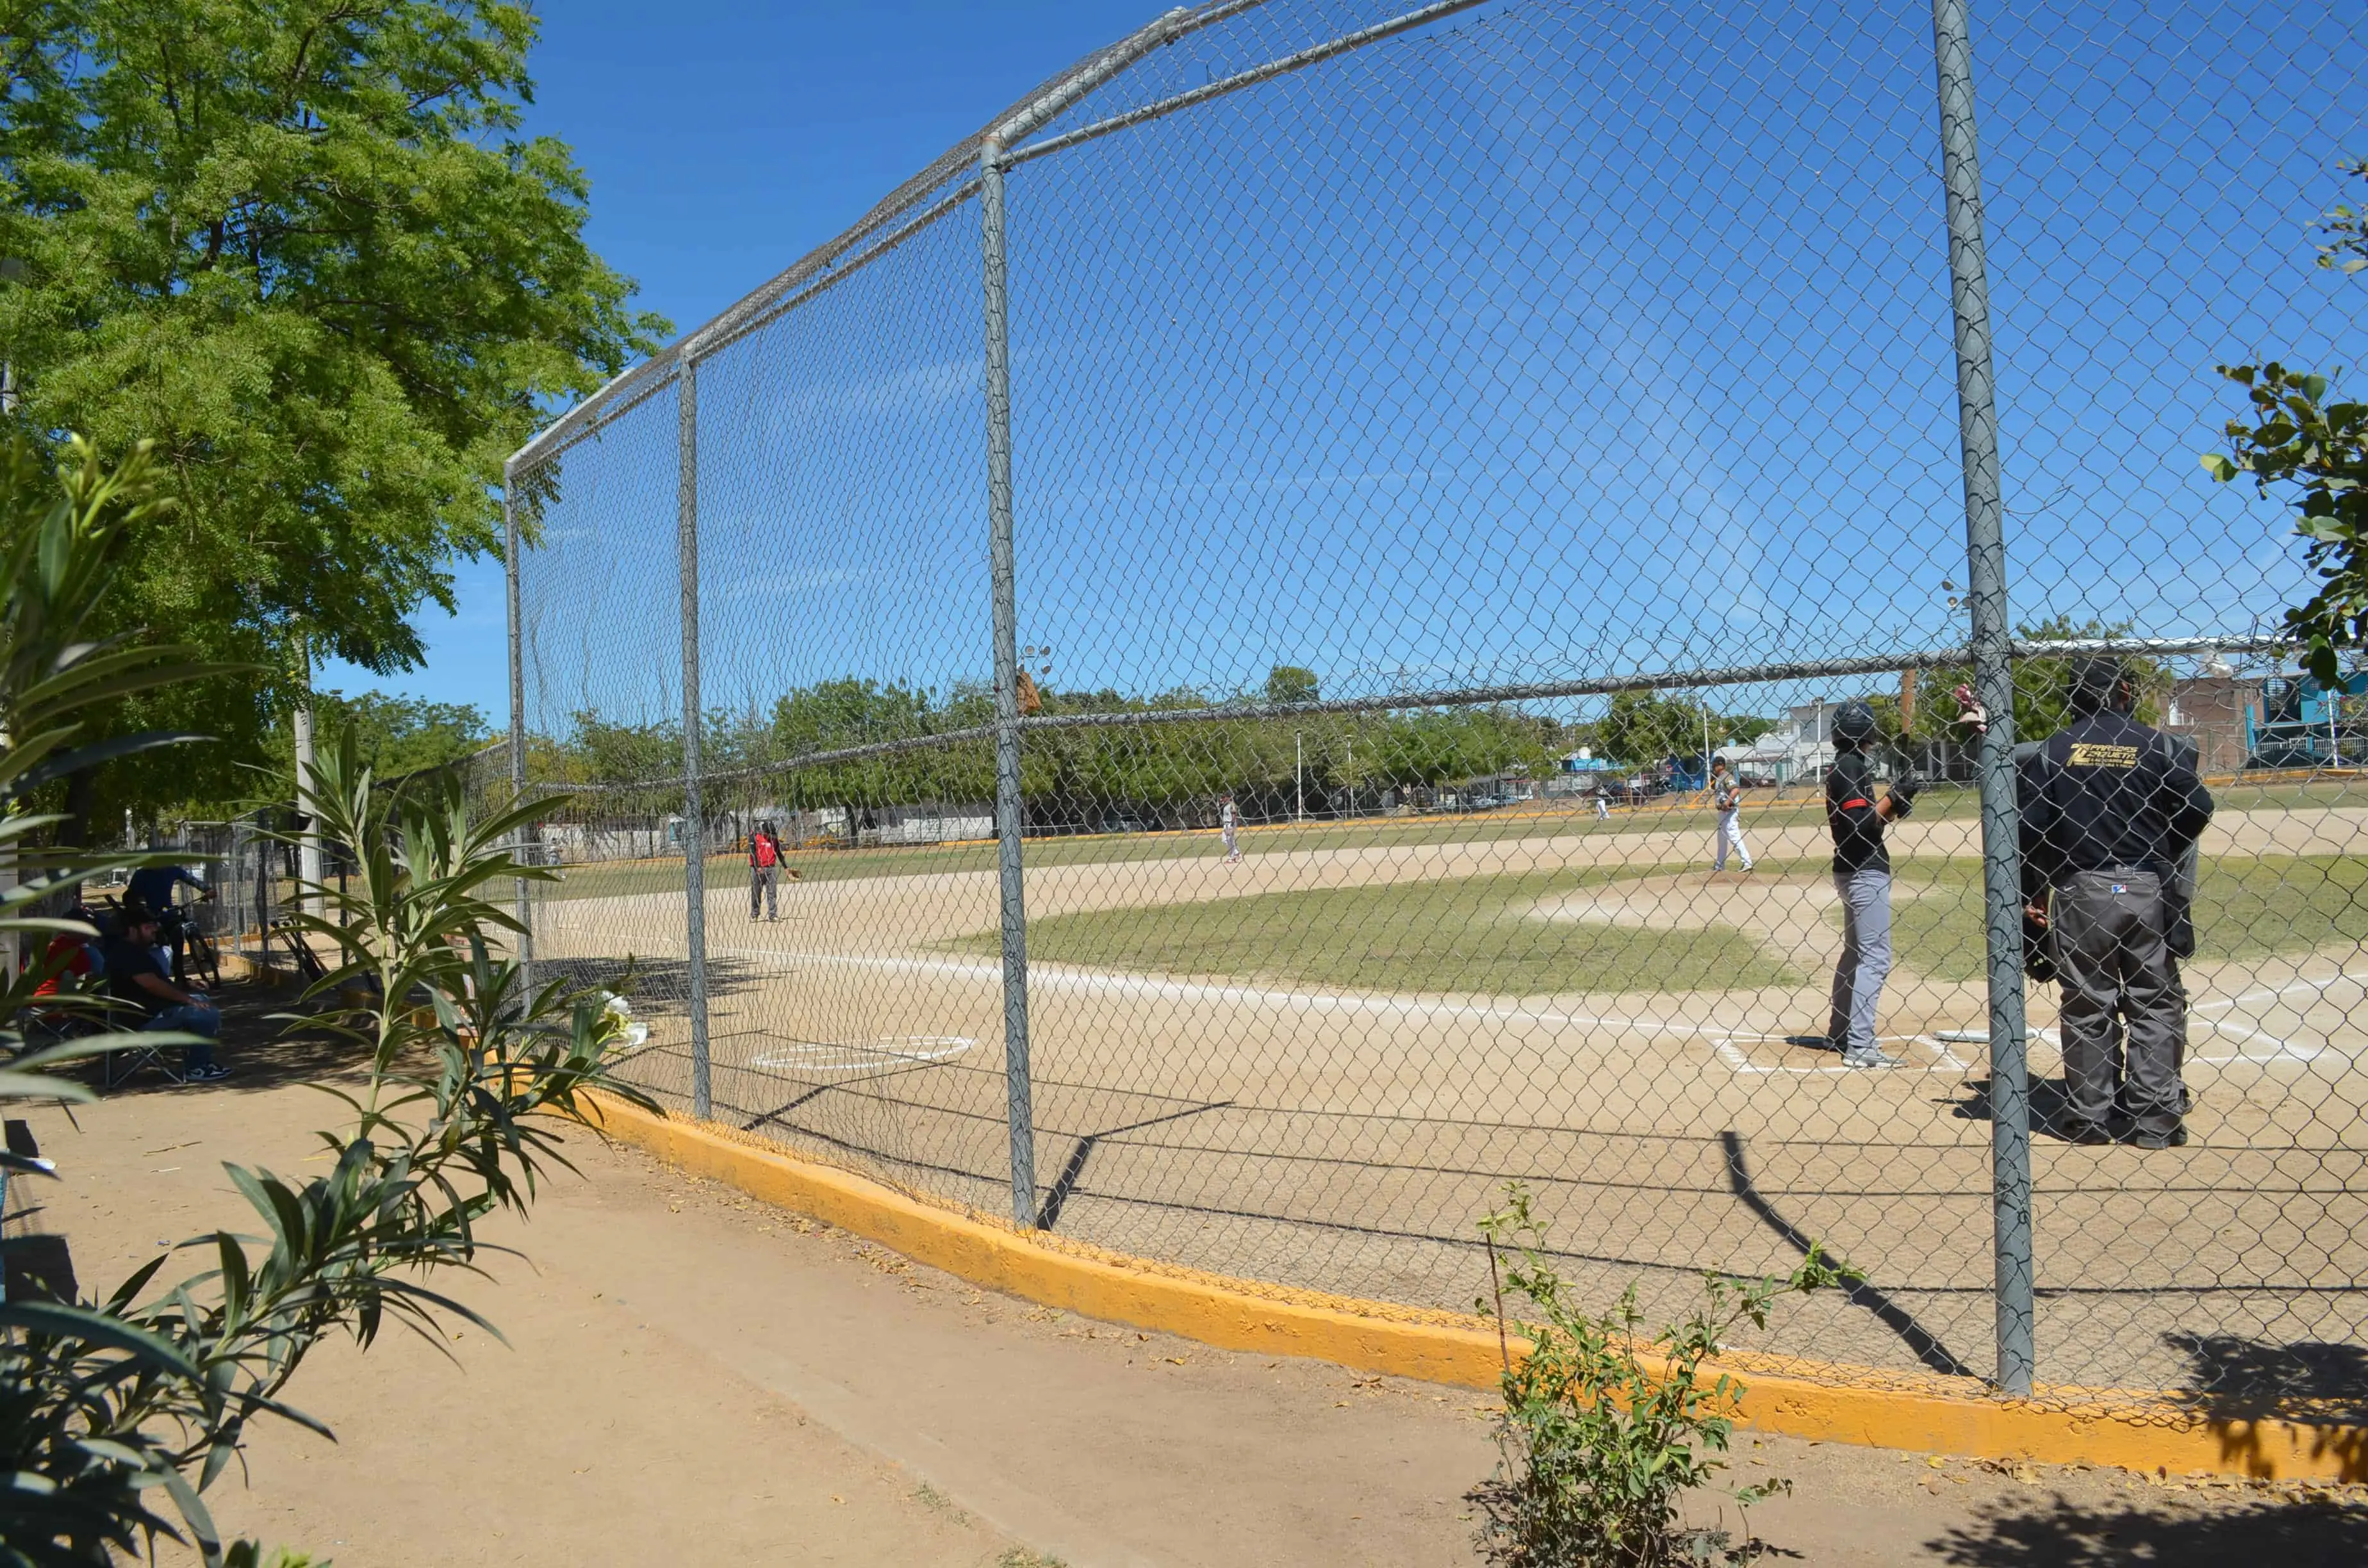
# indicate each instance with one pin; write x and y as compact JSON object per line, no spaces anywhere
{"x":693,"y":1377}
{"x":1348,"y":1139}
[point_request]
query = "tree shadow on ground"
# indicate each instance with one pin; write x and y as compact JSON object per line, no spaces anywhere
{"x":259,"y":1044}
{"x":2306,"y":1380}
{"x":2316,"y":1533}
{"x":659,"y":987}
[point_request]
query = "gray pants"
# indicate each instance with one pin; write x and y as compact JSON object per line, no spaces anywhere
{"x":2124,"y":1009}
{"x":764,"y":883}
{"x":1865,"y":962}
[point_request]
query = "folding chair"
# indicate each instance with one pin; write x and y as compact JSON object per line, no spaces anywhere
{"x":116,"y":1068}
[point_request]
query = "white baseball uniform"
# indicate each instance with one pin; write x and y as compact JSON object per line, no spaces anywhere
{"x":1726,"y":798}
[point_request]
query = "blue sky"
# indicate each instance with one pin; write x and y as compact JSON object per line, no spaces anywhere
{"x":725,"y":140}
{"x":1553,"y":341}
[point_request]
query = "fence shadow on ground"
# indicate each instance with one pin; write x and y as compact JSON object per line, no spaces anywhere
{"x":2063,"y":1534}
{"x":2050,"y":1102}
{"x":1921,"y":1340}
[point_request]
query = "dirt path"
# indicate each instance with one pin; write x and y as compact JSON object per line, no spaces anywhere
{"x":691,"y":1376}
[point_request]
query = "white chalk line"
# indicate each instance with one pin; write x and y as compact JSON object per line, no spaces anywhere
{"x":1065,"y":980}
{"x":857,"y":1056}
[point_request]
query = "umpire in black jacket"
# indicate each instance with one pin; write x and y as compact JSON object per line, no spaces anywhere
{"x":2109,"y":810}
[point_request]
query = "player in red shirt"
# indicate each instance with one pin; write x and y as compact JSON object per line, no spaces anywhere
{"x":763,"y":873}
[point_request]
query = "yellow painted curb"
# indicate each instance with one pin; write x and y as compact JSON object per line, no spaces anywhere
{"x":1801,"y":1398}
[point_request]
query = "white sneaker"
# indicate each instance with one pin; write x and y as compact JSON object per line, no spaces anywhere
{"x":1870,"y":1059}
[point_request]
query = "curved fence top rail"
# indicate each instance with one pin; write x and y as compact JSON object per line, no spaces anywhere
{"x":1028,"y":113}
{"x":939,"y":188}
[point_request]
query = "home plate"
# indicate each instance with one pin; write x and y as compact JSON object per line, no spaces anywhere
{"x":863,"y":1056}
{"x":1982,"y":1037}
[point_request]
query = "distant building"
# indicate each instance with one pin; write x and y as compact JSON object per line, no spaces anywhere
{"x":2222,"y":714}
{"x":2299,"y":723}
{"x":1802,"y":749}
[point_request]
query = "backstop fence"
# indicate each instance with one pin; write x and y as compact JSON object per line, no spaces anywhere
{"x":1162,"y":683}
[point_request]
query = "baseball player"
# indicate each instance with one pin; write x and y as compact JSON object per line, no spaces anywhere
{"x":765,"y":873}
{"x":1862,"y":877}
{"x":1231,"y":819}
{"x":1602,"y":803}
{"x":1727,"y":800}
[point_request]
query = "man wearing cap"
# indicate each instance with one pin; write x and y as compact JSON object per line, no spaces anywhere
{"x":136,"y":975}
{"x":2109,"y":810}
{"x":1862,"y":877}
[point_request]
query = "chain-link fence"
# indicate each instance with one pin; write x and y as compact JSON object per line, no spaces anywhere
{"x":1167,"y":682}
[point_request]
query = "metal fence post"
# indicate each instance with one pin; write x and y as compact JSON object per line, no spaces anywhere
{"x":1018,"y":1090}
{"x":518,"y":718}
{"x":1994,"y":681}
{"x":694,"y":816}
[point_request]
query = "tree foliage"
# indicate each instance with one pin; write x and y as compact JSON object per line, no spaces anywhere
{"x":2299,"y":442}
{"x":1643,"y":727}
{"x":393,"y":735}
{"x":105,"y":1403}
{"x":304,"y":246}
{"x":2043,"y":689}
{"x":1070,"y":777}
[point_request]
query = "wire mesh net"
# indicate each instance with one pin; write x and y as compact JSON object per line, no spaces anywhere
{"x":1472,"y":469}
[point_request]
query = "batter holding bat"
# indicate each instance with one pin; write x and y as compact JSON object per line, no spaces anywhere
{"x":1862,"y":877}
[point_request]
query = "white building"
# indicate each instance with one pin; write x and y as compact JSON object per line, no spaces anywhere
{"x":1799,"y":751}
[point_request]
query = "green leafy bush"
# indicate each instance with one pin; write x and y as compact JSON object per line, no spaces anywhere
{"x":470,"y":1079}
{"x":1604,"y":1430}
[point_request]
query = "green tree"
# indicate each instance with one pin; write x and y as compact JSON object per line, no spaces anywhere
{"x":304,"y":246}
{"x":394,"y":735}
{"x":1645,"y":726}
{"x":1289,"y":683}
{"x":2299,"y":444}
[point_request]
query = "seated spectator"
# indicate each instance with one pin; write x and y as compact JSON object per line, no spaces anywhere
{"x":73,"y":959}
{"x":135,"y":975}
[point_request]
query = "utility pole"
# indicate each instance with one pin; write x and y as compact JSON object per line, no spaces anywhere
{"x":1299,"y":771}
{"x":308,"y":839}
{"x":11,"y":269}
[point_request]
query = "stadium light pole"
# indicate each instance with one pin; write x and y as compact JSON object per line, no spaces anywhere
{"x":1994,"y":680}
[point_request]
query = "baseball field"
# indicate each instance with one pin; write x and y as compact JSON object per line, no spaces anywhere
{"x":1316,"y":1065}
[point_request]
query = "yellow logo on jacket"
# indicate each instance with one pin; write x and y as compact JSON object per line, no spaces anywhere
{"x":2090,"y":753}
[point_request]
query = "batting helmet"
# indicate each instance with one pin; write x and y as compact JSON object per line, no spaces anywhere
{"x":1854,"y":723}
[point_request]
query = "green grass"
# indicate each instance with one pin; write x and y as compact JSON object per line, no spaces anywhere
{"x":731,"y":871}
{"x":1471,"y":935}
{"x":2245,"y":907}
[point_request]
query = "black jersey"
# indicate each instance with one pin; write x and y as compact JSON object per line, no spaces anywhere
{"x":1851,"y":813}
{"x":2107,"y":792}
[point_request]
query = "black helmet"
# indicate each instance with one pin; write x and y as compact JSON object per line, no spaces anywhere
{"x":1854,"y":723}
{"x":2096,"y":685}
